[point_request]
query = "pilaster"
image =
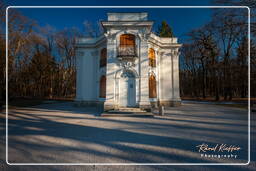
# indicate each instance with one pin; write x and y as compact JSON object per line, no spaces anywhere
{"x":144,"y":69}
{"x":110,"y":72}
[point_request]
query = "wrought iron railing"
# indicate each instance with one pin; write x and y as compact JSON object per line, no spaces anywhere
{"x":126,"y":51}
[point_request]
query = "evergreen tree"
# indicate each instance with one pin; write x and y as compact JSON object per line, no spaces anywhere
{"x":165,"y":30}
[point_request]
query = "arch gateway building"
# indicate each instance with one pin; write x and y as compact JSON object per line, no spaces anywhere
{"x":128,"y":66}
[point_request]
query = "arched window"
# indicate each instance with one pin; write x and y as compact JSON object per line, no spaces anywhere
{"x":127,"y":40}
{"x":127,"y":45}
{"x":152,"y":57}
{"x":152,"y":86}
{"x":103,"y":57}
{"x":103,"y":86}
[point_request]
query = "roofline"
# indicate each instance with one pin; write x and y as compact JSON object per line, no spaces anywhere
{"x":107,"y":24}
{"x":118,"y":21}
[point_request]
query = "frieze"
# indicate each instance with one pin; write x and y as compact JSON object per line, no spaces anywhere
{"x":126,"y":65}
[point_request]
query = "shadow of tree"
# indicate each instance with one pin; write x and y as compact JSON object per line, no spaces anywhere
{"x":131,"y":144}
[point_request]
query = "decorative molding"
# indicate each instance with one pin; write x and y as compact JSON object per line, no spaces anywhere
{"x":127,"y":74}
{"x":126,"y":65}
{"x":143,"y":36}
{"x":161,"y":52}
{"x":110,"y":36}
{"x":175,"y":53}
{"x":119,"y":72}
{"x":152,"y":72}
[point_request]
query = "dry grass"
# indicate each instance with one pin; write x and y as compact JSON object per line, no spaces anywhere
{"x":236,"y":99}
{"x":242,"y":106}
{"x":26,"y":102}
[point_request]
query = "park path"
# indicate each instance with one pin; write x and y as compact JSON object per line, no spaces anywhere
{"x":61,"y":132}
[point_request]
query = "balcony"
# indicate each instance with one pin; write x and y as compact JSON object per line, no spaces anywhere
{"x":126,"y":52}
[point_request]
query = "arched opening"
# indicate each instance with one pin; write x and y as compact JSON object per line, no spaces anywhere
{"x":127,"y":45}
{"x":152,"y":57}
{"x":127,"y":73}
{"x":127,"y":89}
{"x":103,"y":57}
{"x":103,"y":86}
{"x":152,"y":87}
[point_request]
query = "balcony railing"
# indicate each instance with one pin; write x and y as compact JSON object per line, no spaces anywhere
{"x":126,"y":51}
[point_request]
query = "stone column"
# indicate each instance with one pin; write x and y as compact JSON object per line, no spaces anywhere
{"x":166,"y":77}
{"x":169,"y":77}
{"x":110,"y":73}
{"x":79,"y":67}
{"x":158,"y":67}
{"x":88,"y":77}
{"x":144,"y":65}
{"x":176,"y":89}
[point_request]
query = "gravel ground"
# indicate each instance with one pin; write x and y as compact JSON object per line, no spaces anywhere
{"x":63,"y":133}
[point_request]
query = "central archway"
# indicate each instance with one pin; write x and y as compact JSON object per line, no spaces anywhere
{"x":127,"y":90}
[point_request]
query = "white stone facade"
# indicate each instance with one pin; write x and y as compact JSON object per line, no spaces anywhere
{"x":128,"y":67}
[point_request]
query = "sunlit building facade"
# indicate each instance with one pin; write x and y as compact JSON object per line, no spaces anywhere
{"x":128,"y":66}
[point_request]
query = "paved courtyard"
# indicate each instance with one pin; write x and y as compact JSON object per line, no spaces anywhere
{"x":63,"y":133}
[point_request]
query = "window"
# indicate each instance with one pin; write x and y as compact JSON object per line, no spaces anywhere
{"x":103,"y":57}
{"x":103,"y":86}
{"x":152,"y":86}
{"x":127,"y":45}
{"x":152,"y":57}
{"x":127,"y":40}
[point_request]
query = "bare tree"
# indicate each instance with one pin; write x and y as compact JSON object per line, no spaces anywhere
{"x":65,"y":42}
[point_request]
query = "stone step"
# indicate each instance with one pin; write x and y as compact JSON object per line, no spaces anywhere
{"x":145,"y":114}
{"x":129,"y":110}
{"x":126,"y":111}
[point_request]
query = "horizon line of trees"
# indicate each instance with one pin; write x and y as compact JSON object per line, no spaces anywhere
{"x":214,"y":61}
{"x":41,"y":60}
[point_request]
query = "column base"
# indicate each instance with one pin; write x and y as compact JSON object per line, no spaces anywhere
{"x":145,"y":106}
{"x":109,"y":106}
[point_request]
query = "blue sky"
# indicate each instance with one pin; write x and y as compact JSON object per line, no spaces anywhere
{"x":181,"y":20}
